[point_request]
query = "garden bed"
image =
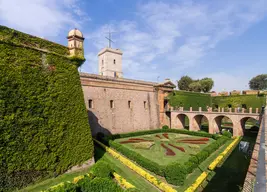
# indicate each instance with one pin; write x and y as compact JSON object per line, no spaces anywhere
{"x":165,"y":148}
{"x":174,"y":155}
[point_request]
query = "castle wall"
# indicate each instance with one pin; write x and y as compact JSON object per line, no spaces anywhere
{"x":120,"y":119}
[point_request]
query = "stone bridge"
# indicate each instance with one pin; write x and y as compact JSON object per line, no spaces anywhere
{"x":177,"y":119}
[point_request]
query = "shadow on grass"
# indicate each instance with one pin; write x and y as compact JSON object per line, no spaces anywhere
{"x":231,"y":176}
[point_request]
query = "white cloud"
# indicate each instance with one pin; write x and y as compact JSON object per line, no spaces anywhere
{"x":46,"y":18}
{"x":168,"y":38}
{"x":164,"y":39}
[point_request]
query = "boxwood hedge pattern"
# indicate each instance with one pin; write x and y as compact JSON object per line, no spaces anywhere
{"x":43,"y":121}
{"x":175,"y":173}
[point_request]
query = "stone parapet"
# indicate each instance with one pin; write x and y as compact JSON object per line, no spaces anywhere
{"x":250,"y":179}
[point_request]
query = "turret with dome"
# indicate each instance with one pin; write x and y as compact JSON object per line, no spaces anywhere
{"x":75,"y":42}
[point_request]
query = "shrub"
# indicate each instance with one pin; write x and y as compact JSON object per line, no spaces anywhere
{"x":201,"y":156}
{"x":175,"y":174}
{"x":190,"y":166}
{"x":164,"y":127}
{"x":216,"y":136}
{"x":227,"y":134}
{"x":101,"y":169}
{"x":67,"y":187}
{"x":100,"y":185}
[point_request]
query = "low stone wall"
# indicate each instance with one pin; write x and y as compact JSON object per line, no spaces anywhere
{"x":252,"y":170}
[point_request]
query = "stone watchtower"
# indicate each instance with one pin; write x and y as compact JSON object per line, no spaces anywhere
{"x":75,"y":43}
{"x":110,"y":62}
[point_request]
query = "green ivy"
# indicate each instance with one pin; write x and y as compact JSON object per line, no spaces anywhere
{"x":43,"y":120}
{"x":254,"y":101}
{"x":187,"y":99}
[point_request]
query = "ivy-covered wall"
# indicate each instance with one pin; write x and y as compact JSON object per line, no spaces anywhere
{"x":235,"y":101}
{"x":189,"y":99}
{"x":44,"y":126}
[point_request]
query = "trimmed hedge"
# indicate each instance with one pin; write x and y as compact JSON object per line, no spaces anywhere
{"x":43,"y":120}
{"x":254,"y":101}
{"x":101,"y":169}
{"x":99,"y":185}
{"x":227,"y":134}
{"x":165,"y":127}
{"x":177,"y":177}
{"x":189,"y":99}
{"x":175,"y":173}
{"x":86,"y":184}
{"x":139,"y":133}
{"x":99,"y":180}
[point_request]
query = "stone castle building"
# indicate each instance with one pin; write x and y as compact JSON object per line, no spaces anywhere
{"x":116,"y":104}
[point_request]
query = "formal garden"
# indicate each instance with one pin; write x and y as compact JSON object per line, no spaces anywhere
{"x":153,"y":160}
{"x":45,"y":133}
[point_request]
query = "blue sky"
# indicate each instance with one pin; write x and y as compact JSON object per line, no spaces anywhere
{"x":225,"y":40}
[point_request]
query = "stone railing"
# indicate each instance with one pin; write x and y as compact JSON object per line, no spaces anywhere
{"x":218,"y":110}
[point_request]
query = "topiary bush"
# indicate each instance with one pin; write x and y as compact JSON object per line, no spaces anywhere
{"x":101,"y":169}
{"x":227,"y":134}
{"x":165,"y":127}
{"x":43,"y":119}
{"x":100,"y":185}
{"x":175,"y":173}
{"x":86,"y":184}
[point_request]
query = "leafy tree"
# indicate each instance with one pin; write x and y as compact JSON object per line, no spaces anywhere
{"x":184,"y":83}
{"x":195,"y":86}
{"x":206,"y":84}
{"x":259,"y":82}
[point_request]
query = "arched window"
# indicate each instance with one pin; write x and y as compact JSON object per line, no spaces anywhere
{"x":114,"y":61}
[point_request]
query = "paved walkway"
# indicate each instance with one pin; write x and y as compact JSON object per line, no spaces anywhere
{"x":252,"y":170}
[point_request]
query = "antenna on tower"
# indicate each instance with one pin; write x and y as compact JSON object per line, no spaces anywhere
{"x":109,"y":38}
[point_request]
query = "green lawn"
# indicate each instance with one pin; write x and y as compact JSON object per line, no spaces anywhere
{"x":139,"y":182}
{"x":158,"y":152}
{"x":43,"y":185}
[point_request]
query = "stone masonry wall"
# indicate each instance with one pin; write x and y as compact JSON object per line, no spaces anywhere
{"x":121,"y":118}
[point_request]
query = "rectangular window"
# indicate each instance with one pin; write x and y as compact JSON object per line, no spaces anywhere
{"x":90,"y":103}
{"x":114,"y":61}
{"x":111,"y":104}
{"x":145,"y":105}
{"x":129,"y":104}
